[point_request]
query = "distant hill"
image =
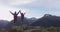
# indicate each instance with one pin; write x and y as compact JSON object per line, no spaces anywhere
{"x":47,"y":20}
{"x":27,"y":21}
{"x":31,"y":20}
{"x":3,"y":23}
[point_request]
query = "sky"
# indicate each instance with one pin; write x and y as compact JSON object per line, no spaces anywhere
{"x":32,"y":8}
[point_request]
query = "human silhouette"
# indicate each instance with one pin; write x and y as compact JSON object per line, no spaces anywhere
{"x":22,"y":16}
{"x":22,"y":19}
{"x":14,"y":15}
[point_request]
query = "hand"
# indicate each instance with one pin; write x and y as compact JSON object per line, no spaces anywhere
{"x":20,"y":11}
{"x":24,"y":13}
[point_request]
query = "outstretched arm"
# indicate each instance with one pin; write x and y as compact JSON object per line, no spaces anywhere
{"x":11,"y":13}
{"x":24,"y":13}
{"x":17,"y":13}
{"x":20,"y":11}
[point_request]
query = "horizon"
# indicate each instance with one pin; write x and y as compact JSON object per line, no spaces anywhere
{"x":32,"y":8}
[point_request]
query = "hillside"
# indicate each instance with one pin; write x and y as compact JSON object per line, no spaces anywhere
{"x":47,"y":20}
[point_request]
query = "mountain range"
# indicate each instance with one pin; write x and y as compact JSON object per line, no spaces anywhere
{"x":47,"y":20}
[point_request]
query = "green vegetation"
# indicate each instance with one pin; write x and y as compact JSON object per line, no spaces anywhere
{"x":31,"y":29}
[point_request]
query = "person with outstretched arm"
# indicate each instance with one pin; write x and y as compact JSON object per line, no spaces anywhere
{"x":14,"y":15}
{"x":22,"y":15}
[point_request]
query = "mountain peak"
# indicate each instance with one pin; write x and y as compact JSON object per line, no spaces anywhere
{"x":46,"y":15}
{"x":33,"y":18}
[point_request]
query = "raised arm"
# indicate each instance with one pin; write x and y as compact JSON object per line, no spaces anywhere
{"x":20,"y":11}
{"x":24,"y":13}
{"x":17,"y":13}
{"x":11,"y":13}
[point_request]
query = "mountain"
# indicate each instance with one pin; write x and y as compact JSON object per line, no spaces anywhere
{"x":26,"y":22}
{"x":3,"y":23}
{"x":18,"y":22}
{"x":31,"y":20}
{"x":47,"y":20}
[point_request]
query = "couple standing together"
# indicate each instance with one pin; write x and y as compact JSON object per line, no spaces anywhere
{"x":15,"y":15}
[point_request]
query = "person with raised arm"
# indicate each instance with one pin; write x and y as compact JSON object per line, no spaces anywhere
{"x":22,"y":15}
{"x":14,"y":15}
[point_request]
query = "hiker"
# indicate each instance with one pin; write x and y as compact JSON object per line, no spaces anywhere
{"x":22,"y":15}
{"x":14,"y":15}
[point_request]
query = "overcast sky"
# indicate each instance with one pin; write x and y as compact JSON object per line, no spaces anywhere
{"x":32,"y":8}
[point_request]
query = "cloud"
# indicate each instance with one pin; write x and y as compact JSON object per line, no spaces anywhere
{"x":33,"y":3}
{"x":50,"y":3}
{"x":33,"y":8}
{"x":5,"y":14}
{"x":17,"y":2}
